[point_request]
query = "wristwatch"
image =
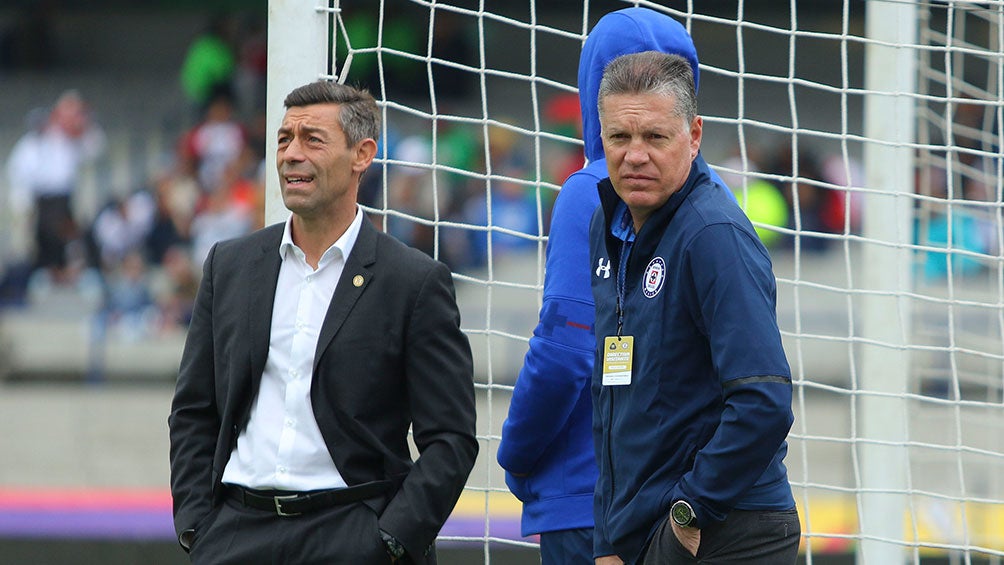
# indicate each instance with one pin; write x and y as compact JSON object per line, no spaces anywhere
{"x":683,"y":514}
{"x":394,"y":547}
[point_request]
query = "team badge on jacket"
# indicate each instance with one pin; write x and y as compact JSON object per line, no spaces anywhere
{"x":655,"y":275}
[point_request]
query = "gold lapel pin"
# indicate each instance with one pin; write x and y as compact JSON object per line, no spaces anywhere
{"x":357,"y":280}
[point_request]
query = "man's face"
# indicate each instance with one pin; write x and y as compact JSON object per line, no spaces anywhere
{"x":648,"y":148}
{"x":318,"y":172}
{"x":70,"y":115}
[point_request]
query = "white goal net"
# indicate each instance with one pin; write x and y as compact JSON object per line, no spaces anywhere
{"x":863,"y":139}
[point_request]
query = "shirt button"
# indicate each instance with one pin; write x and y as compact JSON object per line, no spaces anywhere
{"x":290,"y":422}
{"x":282,"y":470}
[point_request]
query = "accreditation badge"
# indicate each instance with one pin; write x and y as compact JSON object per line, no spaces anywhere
{"x":618,"y":353}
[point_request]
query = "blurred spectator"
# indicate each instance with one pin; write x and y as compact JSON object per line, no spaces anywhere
{"x":765,"y":206}
{"x":209,"y":62}
{"x":809,"y":204}
{"x":122,"y":227}
{"x":514,"y":208}
{"x":220,"y":138}
{"x":224,"y":214}
{"x":762,"y":201}
{"x":847,"y":173}
{"x":176,"y":197}
{"x":174,"y":287}
{"x":16,"y":211}
{"x":512,"y":205}
{"x":43,"y":169}
{"x":564,"y":118}
{"x":974,"y":128}
{"x":952,"y":224}
{"x":244,"y":185}
{"x":410,"y":191}
{"x":456,"y":146}
{"x":130,"y":312}
{"x":955,"y":228}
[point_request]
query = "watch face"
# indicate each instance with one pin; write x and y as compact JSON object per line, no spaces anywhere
{"x":682,"y":514}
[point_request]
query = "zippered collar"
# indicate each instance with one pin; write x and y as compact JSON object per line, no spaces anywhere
{"x":648,"y":238}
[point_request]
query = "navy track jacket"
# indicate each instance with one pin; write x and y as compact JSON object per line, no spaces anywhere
{"x":708,"y":409}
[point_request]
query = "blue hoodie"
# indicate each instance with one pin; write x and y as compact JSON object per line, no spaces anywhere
{"x":547,"y":440}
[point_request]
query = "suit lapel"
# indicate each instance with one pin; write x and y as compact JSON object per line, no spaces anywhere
{"x":356,"y":276}
{"x":262,"y":279}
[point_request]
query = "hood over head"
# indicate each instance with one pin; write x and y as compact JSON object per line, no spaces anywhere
{"x":631,"y":30}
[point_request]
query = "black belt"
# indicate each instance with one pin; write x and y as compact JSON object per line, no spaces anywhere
{"x":295,"y":503}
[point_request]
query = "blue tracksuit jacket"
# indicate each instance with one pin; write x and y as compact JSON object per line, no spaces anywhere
{"x":708,"y":408}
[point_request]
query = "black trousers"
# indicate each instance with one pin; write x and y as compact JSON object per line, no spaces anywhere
{"x":238,"y":535}
{"x":54,"y":229}
{"x":752,"y":537}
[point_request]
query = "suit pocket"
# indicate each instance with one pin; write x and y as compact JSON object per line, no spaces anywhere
{"x":203,"y":527}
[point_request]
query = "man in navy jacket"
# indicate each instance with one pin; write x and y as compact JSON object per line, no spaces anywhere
{"x":691,"y":387}
{"x":547,"y":443}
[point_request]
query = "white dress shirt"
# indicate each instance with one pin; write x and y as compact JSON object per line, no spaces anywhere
{"x":47,"y":163}
{"x":282,"y":447}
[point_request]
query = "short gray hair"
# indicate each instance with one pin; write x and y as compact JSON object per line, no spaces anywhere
{"x":651,"y":72}
{"x":358,"y":115}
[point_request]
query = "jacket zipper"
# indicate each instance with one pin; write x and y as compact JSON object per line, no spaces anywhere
{"x":610,"y":458}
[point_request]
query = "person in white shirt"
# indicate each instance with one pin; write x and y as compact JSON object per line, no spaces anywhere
{"x":43,"y":170}
{"x":315,"y":344}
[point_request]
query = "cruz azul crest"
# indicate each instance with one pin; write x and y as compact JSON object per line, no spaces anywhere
{"x":655,"y":275}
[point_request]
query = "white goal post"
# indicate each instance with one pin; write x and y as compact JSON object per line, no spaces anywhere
{"x":863,"y":138}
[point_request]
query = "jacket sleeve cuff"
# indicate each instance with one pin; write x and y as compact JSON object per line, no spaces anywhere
{"x":185,"y":538}
{"x":601,"y":547}
{"x":703,"y":515}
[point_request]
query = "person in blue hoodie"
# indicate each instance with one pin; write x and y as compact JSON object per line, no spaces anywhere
{"x":691,"y":387}
{"x":547,"y":442}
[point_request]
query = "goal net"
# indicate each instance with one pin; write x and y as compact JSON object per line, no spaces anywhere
{"x":862,"y":138}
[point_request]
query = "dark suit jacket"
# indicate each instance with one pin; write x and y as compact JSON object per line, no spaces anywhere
{"x":390,"y":354}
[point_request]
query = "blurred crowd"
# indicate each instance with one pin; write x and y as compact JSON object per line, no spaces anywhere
{"x":137,"y":261}
{"x":139,"y":258}
{"x":809,"y":200}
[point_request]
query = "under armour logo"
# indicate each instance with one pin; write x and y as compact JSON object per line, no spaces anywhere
{"x":603,"y":270}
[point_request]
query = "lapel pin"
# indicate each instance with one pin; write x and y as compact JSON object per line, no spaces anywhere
{"x":357,"y":280}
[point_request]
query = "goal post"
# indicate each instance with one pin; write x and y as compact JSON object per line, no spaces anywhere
{"x":298,"y":53}
{"x":889,"y":126}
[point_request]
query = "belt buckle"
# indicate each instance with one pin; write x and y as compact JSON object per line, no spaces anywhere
{"x":278,"y":505}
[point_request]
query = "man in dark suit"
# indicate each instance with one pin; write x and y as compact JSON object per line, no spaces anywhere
{"x":314,"y":345}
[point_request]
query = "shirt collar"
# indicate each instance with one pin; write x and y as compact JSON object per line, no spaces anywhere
{"x":344,"y":244}
{"x":622,"y":226}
